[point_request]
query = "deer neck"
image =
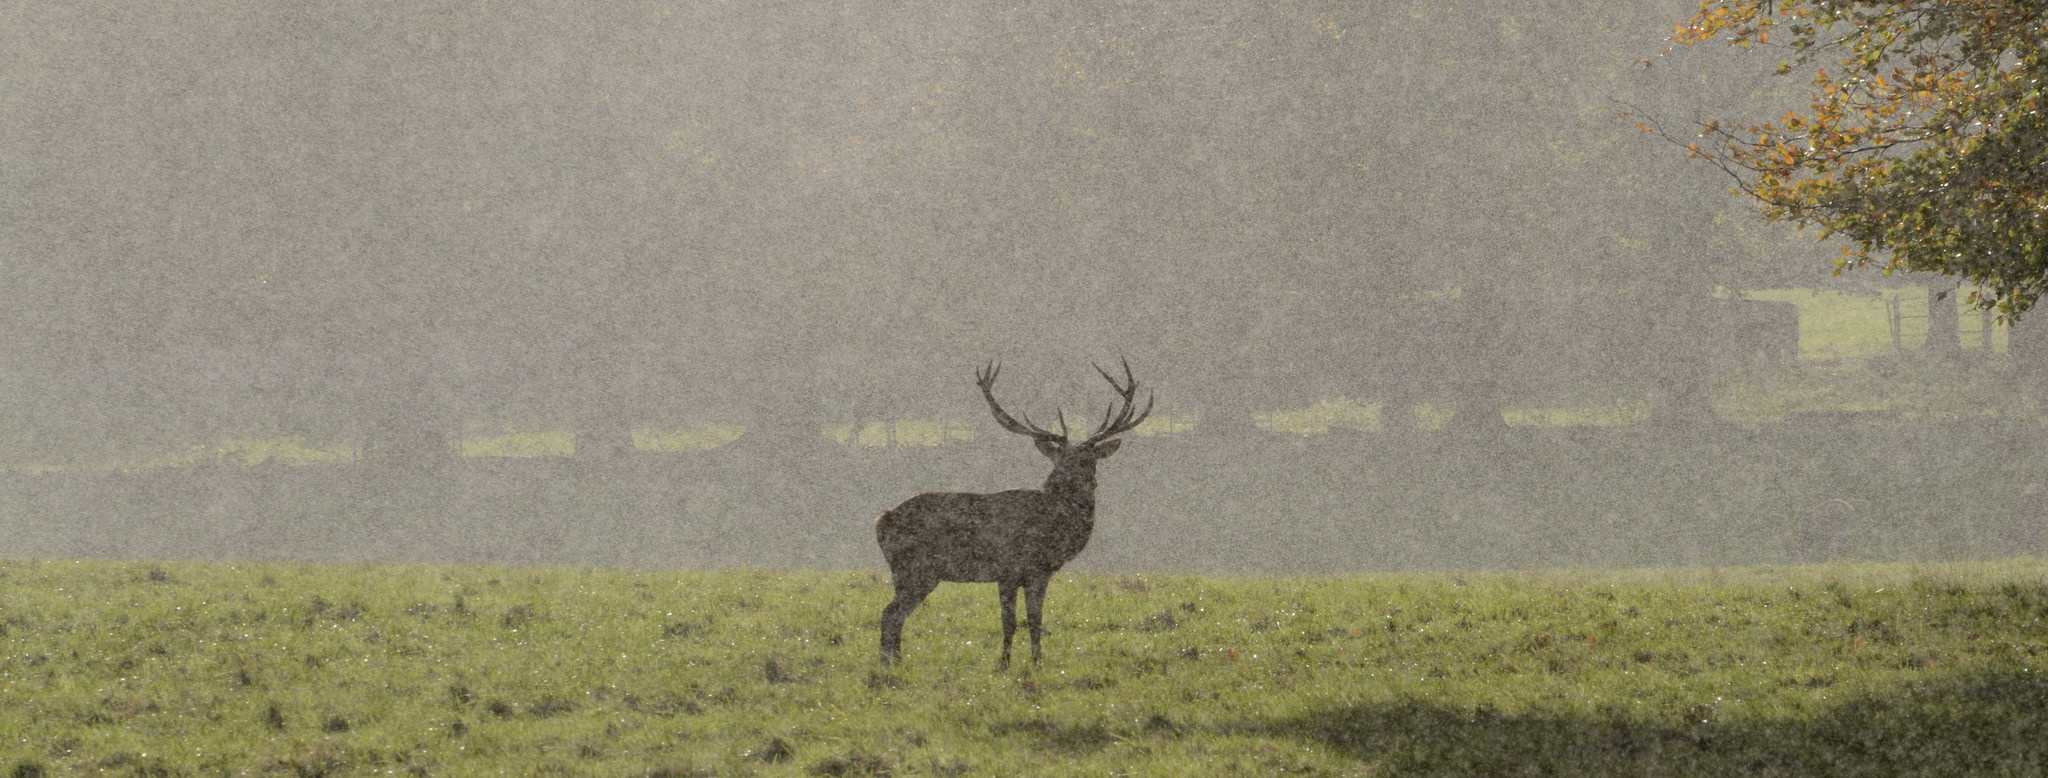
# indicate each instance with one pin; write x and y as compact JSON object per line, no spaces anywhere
{"x":1073,"y":484}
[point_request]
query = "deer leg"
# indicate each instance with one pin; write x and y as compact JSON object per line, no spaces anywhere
{"x":1034,"y":611}
{"x":909,"y":593}
{"x":1006,"y":591}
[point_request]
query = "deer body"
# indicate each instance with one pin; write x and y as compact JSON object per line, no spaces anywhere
{"x":1015,"y":539}
{"x":972,"y":538}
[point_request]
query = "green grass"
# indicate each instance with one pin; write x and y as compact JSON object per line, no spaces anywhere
{"x":272,"y":669}
{"x":1837,"y":323}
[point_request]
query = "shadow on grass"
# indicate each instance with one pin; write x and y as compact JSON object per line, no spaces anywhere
{"x":1980,"y":726}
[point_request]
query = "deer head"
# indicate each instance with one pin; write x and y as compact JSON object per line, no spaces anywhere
{"x":1119,"y":419}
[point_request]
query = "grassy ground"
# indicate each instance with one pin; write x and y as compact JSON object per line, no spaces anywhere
{"x":183,"y":669}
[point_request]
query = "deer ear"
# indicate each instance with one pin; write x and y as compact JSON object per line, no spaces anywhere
{"x":1108,"y":447}
{"x":1050,"y":448}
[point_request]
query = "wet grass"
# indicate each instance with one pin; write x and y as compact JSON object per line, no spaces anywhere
{"x":185,"y":669}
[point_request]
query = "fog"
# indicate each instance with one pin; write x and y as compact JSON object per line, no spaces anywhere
{"x":706,"y":284}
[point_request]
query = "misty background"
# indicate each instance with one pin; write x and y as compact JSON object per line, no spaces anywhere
{"x":705,"y":284}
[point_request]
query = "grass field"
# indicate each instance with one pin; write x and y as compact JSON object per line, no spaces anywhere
{"x":179,"y":669}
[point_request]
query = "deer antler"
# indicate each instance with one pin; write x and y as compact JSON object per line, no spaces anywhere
{"x":986,"y":378}
{"x":1117,"y":420}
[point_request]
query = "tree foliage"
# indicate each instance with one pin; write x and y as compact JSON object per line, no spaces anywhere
{"x":1923,"y":140}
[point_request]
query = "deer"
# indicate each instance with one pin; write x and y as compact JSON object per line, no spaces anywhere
{"x":1015,"y":539}
{"x":1822,"y":528}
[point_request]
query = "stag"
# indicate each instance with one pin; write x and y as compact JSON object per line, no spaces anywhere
{"x":1822,"y":528}
{"x":1015,"y":539}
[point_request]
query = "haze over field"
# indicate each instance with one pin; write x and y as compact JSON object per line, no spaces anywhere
{"x":705,"y":284}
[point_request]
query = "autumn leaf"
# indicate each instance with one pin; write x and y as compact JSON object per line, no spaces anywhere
{"x":1921,"y":142}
